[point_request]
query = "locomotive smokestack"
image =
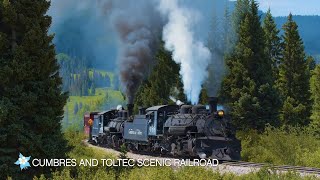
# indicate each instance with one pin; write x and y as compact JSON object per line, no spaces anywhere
{"x":213,"y":103}
{"x":130,"y":109}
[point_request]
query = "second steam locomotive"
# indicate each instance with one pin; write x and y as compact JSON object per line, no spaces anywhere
{"x":185,"y":130}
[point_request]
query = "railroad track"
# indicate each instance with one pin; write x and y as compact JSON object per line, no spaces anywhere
{"x":249,"y":165}
{"x":299,"y":169}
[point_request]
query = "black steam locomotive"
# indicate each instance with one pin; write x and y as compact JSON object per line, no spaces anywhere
{"x":185,"y":130}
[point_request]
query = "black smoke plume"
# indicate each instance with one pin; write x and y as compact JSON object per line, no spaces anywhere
{"x":85,"y":28}
{"x":137,"y":26}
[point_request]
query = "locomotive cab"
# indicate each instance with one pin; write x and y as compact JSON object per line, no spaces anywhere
{"x":150,"y":124}
{"x":151,"y":117}
{"x":157,"y":115}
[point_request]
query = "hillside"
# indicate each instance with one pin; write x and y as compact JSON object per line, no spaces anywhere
{"x":103,"y":99}
{"x":89,"y":89}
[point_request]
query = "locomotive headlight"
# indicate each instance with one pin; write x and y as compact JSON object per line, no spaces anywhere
{"x":220,"y":113}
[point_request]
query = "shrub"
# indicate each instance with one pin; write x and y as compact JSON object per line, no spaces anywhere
{"x":150,"y":173}
{"x":281,"y":146}
{"x":81,"y":151}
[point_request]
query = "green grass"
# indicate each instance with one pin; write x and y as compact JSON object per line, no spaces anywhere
{"x":81,"y":151}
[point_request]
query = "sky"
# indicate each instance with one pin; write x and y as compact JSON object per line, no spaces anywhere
{"x":296,"y":7}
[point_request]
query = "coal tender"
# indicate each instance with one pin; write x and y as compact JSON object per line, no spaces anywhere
{"x":186,"y":130}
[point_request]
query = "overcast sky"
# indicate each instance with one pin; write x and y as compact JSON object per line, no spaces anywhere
{"x":296,"y":7}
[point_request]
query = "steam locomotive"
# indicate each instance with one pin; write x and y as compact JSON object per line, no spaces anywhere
{"x":185,"y":130}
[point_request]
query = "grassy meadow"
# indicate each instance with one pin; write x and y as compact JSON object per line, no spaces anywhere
{"x":104,"y":99}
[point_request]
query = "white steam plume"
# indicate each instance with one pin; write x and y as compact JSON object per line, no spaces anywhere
{"x":190,"y":53}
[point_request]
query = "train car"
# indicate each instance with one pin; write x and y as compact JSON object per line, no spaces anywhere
{"x":88,"y":121}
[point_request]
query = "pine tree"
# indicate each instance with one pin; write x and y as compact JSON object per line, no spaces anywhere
{"x":311,"y":63}
{"x":107,"y":81}
{"x":273,"y":43}
{"x":203,"y":97}
{"x":248,"y":87}
{"x":66,"y":117}
{"x":315,"y":96}
{"x":227,"y":31}
{"x":75,"y":108}
{"x":221,"y":42}
{"x":93,"y":89}
{"x":241,"y":9}
{"x":294,"y":75}
{"x":216,"y":69}
{"x":163,"y":82}
{"x":31,"y":98}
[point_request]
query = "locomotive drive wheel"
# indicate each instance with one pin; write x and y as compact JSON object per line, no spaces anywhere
{"x":225,"y":154}
{"x":114,"y":139}
{"x":130,"y":147}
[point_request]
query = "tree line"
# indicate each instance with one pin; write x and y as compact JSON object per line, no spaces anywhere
{"x":268,"y":74}
{"x":78,"y":79}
